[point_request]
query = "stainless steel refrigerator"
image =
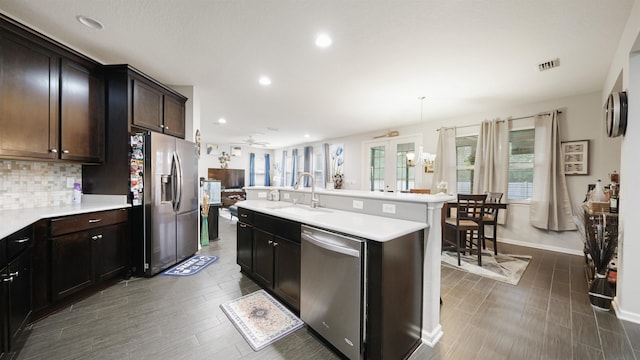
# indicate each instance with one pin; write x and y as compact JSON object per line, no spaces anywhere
{"x":164,"y":186}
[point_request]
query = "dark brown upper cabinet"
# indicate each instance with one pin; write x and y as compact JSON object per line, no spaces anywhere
{"x":51,"y":99}
{"x":82,"y":135}
{"x":29,"y":114}
{"x":147,"y":106}
{"x":156,"y":107}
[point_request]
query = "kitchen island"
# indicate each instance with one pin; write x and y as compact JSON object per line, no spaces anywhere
{"x":352,"y":208}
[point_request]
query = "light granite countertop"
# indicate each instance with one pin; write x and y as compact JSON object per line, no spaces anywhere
{"x":16,"y":219}
{"x":377,"y":228}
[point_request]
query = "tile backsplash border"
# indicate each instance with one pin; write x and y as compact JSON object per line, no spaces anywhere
{"x":33,"y":184}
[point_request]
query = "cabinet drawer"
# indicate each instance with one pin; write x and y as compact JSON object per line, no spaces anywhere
{"x":246,"y":216}
{"x":87,"y":221}
{"x":18,"y":242}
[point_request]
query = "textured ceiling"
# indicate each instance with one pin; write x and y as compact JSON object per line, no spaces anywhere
{"x":465,"y":56}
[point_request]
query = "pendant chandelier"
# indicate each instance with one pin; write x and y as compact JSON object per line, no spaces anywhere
{"x":425,"y":159}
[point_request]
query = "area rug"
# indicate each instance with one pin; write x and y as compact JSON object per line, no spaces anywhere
{"x":261,"y":319}
{"x":191,"y":266}
{"x":507,"y":268}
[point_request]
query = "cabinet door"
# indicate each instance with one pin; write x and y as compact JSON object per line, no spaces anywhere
{"x":20,"y":295}
{"x":245,"y":247}
{"x":82,"y":113}
{"x":29,"y":101}
{"x":111,"y":250}
{"x":263,"y":257}
{"x":4,"y":308}
{"x":287,"y":271}
{"x":174,"y":116}
{"x":71,"y":264}
{"x":147,"y":106}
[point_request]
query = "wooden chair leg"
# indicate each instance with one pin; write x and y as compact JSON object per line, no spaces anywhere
{"x":458,"y":246}
{"x":495,"y":239}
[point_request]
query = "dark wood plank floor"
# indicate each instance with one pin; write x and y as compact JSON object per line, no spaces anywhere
{"x":546,"y":316}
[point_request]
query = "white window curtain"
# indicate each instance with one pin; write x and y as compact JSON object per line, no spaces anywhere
{"x":491,"y":169}
{"x":550,"y":205}
{"x":445,"y":166}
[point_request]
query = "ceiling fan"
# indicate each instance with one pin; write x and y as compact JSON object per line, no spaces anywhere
{"x":252,"y":142}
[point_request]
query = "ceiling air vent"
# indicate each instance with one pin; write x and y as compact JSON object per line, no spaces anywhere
{"x":548,"y":65}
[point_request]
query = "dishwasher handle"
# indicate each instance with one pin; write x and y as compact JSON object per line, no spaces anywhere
{"x":331,"y":247}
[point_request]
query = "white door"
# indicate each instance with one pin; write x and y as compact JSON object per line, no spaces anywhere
{"x":386,"y":166}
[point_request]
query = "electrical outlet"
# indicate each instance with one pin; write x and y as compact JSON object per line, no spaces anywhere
{"x":388,"y":208}
{"x":70,"y":182}
{"x":358,"y":204}
{"x":286,"y":196}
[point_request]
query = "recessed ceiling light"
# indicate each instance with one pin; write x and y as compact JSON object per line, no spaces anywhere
{"x":307,"y":135}
{"x":264,"y":81}
{"x":323,"y":40}
{"x":89,"y":22}
{"x":222,"y":121}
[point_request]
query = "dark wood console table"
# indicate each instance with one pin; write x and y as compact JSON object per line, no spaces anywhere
{"x":231,"y":196}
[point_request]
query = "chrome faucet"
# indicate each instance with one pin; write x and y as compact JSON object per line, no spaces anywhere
{"x":314,"y":198}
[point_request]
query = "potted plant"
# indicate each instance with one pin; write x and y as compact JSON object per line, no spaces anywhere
{"x":601,"y":242}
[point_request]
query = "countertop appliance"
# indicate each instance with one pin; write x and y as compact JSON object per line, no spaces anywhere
{"x":164,"y":190}
{"x":332,"y":288}
{"x":212,"y":188}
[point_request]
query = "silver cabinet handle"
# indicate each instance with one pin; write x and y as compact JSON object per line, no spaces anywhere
{"x":244,"y":215}
{"x":20,"y":241}
{"x":275,"y":244}
{"x":242,"y":225}
{"x":93,"y":221}
{"x":96,"y":237}
{"x":65,"y":151}
{"x":14,"y":273}
{"x":161,"y":126}
{"x":7,"y":279}
{"x":166,"y":128}
{"x":270,"y":242}
{"x":53,"y":150}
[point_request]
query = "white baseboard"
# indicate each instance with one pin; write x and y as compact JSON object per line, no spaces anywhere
{"x":542,"y":246}
{"x":432,"y":338}
{"x":624,"y":315}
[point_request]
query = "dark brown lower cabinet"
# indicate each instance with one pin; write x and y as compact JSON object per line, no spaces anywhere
{"x":263,"y":253}
{"x":269,"y":253}
{"x":82,"y":259}
{"x":245,"y":246}
{"x":286,"y":279}
{"x":15,"y":299}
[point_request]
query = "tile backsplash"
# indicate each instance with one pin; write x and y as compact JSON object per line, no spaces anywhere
{"x":31,"y":184}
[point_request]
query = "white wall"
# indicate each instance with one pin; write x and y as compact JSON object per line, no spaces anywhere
{"x":626,"y":66}
{"x":581,"y":119}
{"x":237,"y":162}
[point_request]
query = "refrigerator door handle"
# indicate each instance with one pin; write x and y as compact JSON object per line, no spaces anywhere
{"x":174,"y":182}
{"x":179,"y":182}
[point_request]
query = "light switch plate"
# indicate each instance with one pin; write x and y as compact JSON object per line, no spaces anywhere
{"x":389,"y":208}
{"x":262,"y":195}
{"x":358,"y":204}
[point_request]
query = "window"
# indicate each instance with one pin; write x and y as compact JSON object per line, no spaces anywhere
{"x":465,"y":160}
{"x":405,"y":177}
{"x":521,"y":155}
{"x":377,"y":168}
{"x":521,"y":146}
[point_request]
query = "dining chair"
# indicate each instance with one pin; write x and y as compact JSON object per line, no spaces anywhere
{"x":468,"y":224}
{"x":491,"y":218}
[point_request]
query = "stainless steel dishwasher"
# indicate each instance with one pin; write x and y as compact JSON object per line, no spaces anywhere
{"x":332,"y":288}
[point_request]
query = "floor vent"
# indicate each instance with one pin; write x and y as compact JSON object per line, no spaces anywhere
{"x":548,"y":65}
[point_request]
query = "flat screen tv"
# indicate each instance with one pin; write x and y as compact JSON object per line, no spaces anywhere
{"x":229,"y":178}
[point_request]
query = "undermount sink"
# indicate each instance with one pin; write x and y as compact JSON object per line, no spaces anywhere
{"x":302,"y":210}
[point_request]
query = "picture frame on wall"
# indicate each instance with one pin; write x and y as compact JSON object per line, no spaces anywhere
{"x":575,"y":155}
